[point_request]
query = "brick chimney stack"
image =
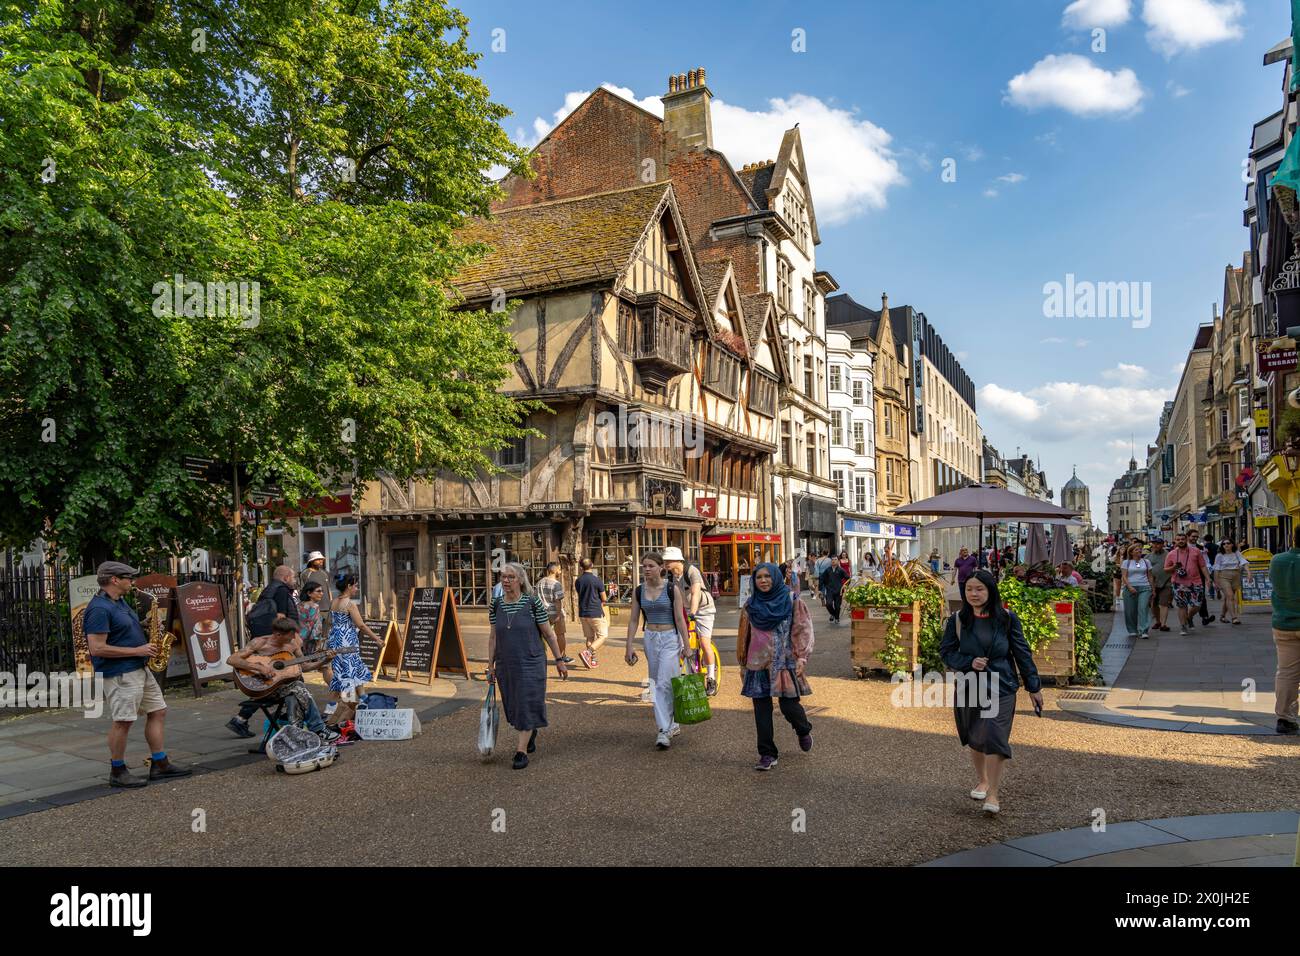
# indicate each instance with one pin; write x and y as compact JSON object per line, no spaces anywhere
{"x":688,"y":123}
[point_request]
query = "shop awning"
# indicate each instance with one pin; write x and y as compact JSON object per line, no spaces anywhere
{"x":742,"y":537}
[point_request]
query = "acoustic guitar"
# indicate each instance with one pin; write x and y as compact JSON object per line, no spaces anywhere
{"x":287,"y":667}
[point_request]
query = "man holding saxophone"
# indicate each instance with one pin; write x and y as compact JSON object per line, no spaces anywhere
{"x":119,"y":651}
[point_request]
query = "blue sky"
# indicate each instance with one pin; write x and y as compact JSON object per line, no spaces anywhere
{"x":1115,"y":166}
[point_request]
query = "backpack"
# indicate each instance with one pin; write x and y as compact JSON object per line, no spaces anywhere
{"x":261,"y":615}
{"x":706,"y":596}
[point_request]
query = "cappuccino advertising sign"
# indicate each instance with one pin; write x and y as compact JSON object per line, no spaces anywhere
{"x":205,"y":626}
{"x":80,"y":591}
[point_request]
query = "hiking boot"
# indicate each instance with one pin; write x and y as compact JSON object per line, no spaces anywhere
{"x":1287,"y":728}
{"x":165,"y":768}
{"x":121,"y":777}
{"x":239,"y":727}
{"x":765,"y":763}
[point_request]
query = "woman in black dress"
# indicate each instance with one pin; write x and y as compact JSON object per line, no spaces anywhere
{"x":518,"y":623}
{"x":984,"y":639}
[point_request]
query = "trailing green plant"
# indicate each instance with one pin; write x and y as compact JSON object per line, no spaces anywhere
{"x":892,"y":657}
{"x":934,"y":613}
{"x":1037,"y":612}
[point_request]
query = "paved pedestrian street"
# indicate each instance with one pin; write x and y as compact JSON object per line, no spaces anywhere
{"x":884,"y":785}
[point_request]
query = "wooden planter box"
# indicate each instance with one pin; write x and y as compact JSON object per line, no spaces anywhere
{"x":1056,"y":659}
{"x":869,"y":625}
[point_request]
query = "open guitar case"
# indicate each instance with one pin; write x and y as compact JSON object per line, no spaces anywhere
{"x":296,"y":749}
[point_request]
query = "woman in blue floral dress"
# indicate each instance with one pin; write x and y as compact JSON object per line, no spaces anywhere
{"x":350,"y":673}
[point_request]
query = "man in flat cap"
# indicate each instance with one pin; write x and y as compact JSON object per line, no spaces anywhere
{"x":119,"y":651}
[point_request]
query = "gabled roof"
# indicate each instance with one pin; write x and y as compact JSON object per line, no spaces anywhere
{"x":760,"y":316}
{"x":790,"y":157}
{"x":757,"y":177}
{"x":570,"y":242}
{"x":718,"y":280}
{"x":843,"y":310}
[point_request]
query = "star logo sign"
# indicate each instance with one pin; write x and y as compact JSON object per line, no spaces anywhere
{"x":706,"y":508}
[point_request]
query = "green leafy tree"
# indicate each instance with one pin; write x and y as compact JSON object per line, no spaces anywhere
{"x":160,"y":159}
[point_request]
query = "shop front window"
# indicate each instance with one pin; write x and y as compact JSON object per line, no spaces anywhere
{"x":610,"y":551}
{"x":521,"y":547}
{"x":466,"y":557}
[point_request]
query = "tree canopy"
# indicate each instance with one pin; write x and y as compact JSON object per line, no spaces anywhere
{"x":227,"y":231}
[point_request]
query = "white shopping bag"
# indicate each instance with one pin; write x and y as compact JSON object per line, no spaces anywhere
{"x":487,"y":723}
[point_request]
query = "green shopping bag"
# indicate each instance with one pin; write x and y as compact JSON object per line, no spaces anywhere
{"x":690,"y":702}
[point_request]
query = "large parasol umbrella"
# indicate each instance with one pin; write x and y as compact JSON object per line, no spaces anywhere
{"x":1062,"y":553}
{"x":1036,"y":549}
{"x":984,"y":502}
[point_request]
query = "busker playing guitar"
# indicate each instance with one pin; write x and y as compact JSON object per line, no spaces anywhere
{"x":283,"y":637}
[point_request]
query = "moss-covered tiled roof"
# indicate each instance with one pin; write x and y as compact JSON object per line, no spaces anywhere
{"x":556,"y":244}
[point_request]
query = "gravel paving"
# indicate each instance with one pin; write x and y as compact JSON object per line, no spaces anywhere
{"x":884,"y":785}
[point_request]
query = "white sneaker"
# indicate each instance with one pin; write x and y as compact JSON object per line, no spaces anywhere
{"x":675,"y":729}
{"x":662,"y":741}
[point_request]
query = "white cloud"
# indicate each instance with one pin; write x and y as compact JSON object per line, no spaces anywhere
{"x":1052,"y":340}
{"x":1179,"y":25}
{"x":1126,"y":373}
{"x":972,"y":153}
{"x":991,"y":193}
{"x":1080,"y":343}
{"x":1177,"y":90}
{"x":850,"y":164}
{"x":1012,"y":178}
{"x":1073,"y":411}
{"x":1072,"y":82}
{"x":1086,"y":14}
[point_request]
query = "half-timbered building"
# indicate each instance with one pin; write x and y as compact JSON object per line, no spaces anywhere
{"x":660,"y":380}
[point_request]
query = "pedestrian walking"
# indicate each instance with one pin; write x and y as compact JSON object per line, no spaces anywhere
{"x":1189,"y":574}
{"x":662,"y":604}
{"x":700,"y":608}
{"x":592,"y":595}
{"x":517,"y":625}
{"x":846,"y":564}
{"x":773,"y":642}
{"x":310,"y":625}
{"x":934,"y":560}
{"x":1207,"y":618}
{"x":871,"y":570}
{"x":966,"y":565}
{"x":832,"y":582}
{"x":984,"y":638}
{"x":1135,"y":585}
{"x":823,"y":562}
{"x":551,"y":590}
{"x":1284,"y":572}
{"x":1162,"y":591}
{"x":119,"y":652}
{"x":1228,"y":567}
{"x":314,"y":571}
{"x":348,"y":672}
{"x":276,"y":601}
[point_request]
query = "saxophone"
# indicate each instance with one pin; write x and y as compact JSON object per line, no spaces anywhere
{"x":158,"y":663}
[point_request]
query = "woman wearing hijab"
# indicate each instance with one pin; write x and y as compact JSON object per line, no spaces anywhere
{"x":773,"y":642}
{"x":985,"y":638}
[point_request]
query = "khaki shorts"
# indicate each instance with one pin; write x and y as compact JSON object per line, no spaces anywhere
{"x":131,"y":694}
{"x":558,"y":626}
{"x":593,"y":628}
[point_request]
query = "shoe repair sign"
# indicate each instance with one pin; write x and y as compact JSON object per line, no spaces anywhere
{"x":396,"y":724}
